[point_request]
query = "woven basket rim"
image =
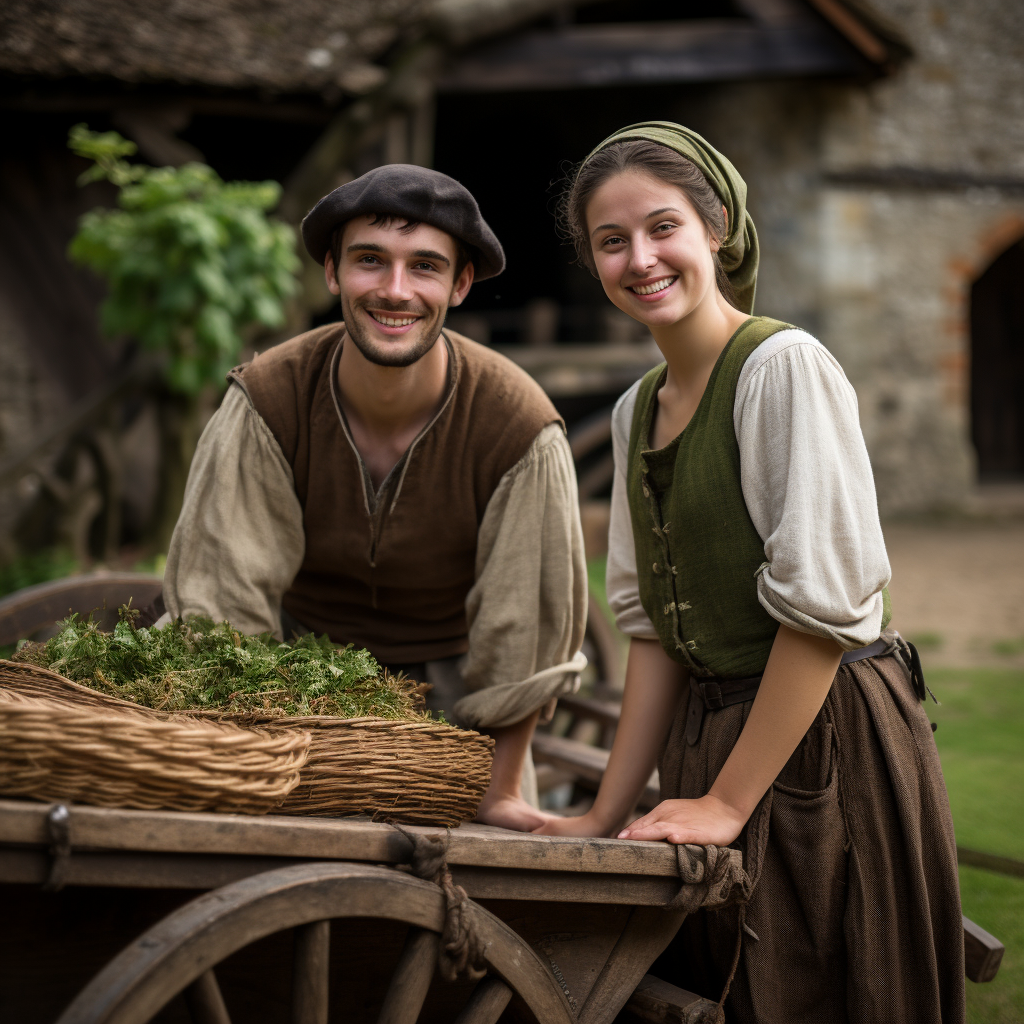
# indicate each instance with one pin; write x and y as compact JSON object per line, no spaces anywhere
{"x":247,"y":719}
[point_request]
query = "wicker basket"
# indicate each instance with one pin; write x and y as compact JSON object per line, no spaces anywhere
{"x":54,"y":750}
{"x":419,"y":772}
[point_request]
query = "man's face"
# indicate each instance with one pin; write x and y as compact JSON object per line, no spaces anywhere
{"x":395,"y":284}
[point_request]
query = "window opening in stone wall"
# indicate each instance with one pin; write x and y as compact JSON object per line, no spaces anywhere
{"x":997,"y":367}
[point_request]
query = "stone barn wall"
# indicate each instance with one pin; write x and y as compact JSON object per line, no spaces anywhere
{"x":878,"y":205}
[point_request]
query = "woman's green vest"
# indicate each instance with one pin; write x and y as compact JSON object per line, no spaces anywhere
{"x":697,"y":551}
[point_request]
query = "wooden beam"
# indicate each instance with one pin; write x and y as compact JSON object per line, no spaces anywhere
{"x":587,"y":762}
{"x":606,"y":712}
{"x":579,"y":56}
{"x":180,"y":832}
{"x":202,"y":871}
{"x":923,"y":179}
{"x":846,"y":22}
{"x":990,"y":862}
{"x":983,"y":953}
{"x":657,"y":1002}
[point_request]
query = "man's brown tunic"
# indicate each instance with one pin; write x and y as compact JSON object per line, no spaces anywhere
{"x":390,"y":570}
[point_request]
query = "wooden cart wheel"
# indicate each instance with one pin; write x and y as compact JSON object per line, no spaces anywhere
{"x":179,"y":954}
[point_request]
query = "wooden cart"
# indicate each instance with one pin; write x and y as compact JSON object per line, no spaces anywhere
{"x":212,"y":918}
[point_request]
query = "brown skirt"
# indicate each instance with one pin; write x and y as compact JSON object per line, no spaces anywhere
{"x":855,"y":911}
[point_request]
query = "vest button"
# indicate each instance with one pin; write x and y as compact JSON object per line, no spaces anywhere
{"x":656,"y":567}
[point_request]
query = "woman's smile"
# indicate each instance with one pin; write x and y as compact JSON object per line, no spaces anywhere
{"x":651,"y":291}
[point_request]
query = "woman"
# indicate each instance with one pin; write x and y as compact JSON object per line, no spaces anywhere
{"x":747,"y":564}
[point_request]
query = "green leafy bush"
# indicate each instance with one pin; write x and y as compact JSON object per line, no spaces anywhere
{"x":190,"y":260}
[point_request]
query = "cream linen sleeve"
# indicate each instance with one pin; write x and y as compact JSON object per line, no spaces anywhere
{"x":527,"y":609}
{"x":239,"y":540}
{"x":808,"y":486}
{"x":621,"y":577}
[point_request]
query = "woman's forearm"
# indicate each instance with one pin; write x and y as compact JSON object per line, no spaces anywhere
{"x":796,"y":681}
{"x":654,"y":687}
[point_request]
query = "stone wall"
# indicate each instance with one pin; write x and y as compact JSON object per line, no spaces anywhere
{"x":878,"y":205}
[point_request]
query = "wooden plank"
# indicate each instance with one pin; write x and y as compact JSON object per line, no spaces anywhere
{"x":203,"y":871}
{"x":607,"y":712}
{"x":990,"y":862}
{"x":574,"y":940}
{"x":549,"y":777}
{"x":565,"y":886}
{"x":588,"y":763}
{"x":328,"y":839}
{"x":983,"y":953}
{"x":846,"y":22}
{"x":136,"y":870}
{"x":647,"y":933}
{"x":684,"y":51}
{"x":657,"y":1002}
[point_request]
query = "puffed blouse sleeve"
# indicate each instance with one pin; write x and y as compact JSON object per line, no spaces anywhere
{"x":808,"y":487}
{"x":239,"y":540}
{"x":527,"y":610}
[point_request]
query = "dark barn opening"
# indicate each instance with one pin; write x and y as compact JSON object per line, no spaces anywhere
{"x":997,"y":367}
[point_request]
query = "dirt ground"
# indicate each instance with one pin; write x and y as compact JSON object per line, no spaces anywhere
{"x":958,"y":590}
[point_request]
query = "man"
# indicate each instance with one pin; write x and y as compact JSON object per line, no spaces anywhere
{"x":395,"y":485}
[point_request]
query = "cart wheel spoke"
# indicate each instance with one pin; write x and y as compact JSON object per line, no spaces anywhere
{"x":310,"y":973}
{"x":485,"y":1005}
{"x":411,"y":979}
{"x":204,"y":1001}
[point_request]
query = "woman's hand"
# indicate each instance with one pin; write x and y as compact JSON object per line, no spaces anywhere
{"x":511,"y":811}
{"x":704,"y":822}
{"x":586,"y":825}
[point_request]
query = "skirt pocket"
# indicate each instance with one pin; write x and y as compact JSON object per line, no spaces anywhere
{"x":804,"y":884}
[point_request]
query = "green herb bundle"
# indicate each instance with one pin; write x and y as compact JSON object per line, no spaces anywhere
{"x":198,"y":665}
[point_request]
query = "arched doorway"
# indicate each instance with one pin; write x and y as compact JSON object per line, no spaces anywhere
{"x":997,"y":367}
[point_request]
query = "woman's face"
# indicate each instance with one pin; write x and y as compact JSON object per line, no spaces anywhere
{"x":651,"y":250}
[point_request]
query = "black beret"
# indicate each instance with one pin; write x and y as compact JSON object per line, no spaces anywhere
{"x":415,"y":193}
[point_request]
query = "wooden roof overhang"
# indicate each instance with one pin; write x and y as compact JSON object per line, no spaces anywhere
{"x":779,"y":38}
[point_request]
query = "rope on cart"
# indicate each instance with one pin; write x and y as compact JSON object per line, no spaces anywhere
{"x":461,"y":952}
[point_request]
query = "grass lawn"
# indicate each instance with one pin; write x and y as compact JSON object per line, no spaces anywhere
{"x":996,"y":902}
{"x":981,"y":743}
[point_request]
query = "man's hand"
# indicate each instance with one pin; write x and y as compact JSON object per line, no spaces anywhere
{"x":511,"y":812}
{"x":704,"y":822}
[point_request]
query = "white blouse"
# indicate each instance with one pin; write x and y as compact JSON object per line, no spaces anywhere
{"x":807,"y":483}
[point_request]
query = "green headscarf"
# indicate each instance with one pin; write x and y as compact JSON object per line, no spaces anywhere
{"x":739,"y":253}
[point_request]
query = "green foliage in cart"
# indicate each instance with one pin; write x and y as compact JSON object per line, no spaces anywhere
{"x":198,"y":665}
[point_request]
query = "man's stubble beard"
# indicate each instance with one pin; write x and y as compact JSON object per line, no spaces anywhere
{"x":385,"y":354}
